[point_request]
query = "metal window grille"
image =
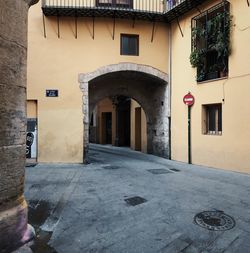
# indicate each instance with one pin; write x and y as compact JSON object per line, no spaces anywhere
{"x":203,"y":40}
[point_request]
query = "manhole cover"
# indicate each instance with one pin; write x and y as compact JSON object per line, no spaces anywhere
{"x":109,"y":167}
{"x":159,"y":171}
{"x":134,"y":201}
{"x":175,"y":170}
{"x":214,"y":220}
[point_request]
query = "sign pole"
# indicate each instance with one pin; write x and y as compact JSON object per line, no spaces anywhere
{"x":188,"y":100}
{"x":189,"y":135}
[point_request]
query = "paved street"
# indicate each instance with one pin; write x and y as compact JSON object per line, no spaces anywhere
{"x":87,"y":208}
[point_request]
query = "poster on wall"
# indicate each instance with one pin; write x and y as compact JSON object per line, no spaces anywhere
{"x":31,"y":138}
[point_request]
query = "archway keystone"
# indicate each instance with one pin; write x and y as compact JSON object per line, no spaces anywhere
{"x":147,"y":85}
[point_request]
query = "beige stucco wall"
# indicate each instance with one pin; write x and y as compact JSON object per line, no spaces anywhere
{"x":31,"y":109}
{"x":55,"y":64}
{"x":232,"y":149}
{"x":134,"y":105}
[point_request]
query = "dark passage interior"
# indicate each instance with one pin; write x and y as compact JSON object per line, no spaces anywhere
{"x":123,"y":121}
{"x":107,"y":127}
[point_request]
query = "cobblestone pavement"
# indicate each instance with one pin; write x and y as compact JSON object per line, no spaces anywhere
{"x":88,"y":208}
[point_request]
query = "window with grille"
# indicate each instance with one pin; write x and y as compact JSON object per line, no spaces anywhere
{"x":129,"y":44}
{"x":211,"y":42}
{"x":212,"y":119}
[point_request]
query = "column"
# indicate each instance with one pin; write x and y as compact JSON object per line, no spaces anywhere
{"x":13,"y":53}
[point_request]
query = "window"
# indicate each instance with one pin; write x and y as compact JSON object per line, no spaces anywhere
{"x":211,"y":42}
{"x":115,"y":3}
{"x":129,"y":44}
{"x":212,"y":118}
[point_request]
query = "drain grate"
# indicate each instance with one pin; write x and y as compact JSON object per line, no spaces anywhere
{"x":214,"y":220}
{"x":134,"y":201}
{"x":159,"y":171}
{"x":175,"y":170}
{"x":109,"y":167}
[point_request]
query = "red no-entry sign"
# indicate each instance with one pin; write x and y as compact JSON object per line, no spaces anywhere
{"x":188,"y":99}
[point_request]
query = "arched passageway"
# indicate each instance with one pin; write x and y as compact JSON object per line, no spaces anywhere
{"x":147,"y":85}
{"x":119,"y":121}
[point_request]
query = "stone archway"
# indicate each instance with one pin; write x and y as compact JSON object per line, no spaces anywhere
{"x":145,"y":84}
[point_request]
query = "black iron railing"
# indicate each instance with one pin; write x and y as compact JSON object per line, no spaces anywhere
{"x":153,"y":6}
{"x":171,"y":4}
{"x":152,"y":10}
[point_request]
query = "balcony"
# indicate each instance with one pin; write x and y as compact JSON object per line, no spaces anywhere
{"x":151,"y":10}
{"x":171,"y":4}
{"x":176,"y":8}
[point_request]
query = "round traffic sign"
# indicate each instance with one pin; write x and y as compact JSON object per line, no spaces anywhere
{"x":188,"y":99}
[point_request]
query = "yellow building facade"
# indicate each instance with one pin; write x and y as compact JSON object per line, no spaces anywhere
{"x":230,"y":149}
{"x":67,"y":51}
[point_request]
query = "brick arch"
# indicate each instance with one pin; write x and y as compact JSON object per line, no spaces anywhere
{"x":147,"y":85}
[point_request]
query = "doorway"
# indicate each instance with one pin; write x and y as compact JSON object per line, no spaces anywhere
{"x":106,"y":128}
{"x":138,"y":131}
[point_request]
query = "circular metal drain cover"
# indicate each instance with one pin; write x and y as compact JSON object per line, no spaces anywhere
{"x":214,"y":220}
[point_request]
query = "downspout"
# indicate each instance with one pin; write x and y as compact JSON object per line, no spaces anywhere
{"x":170,"y":86}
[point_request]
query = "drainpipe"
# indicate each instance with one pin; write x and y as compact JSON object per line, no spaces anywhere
{"x":170,"y":85}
